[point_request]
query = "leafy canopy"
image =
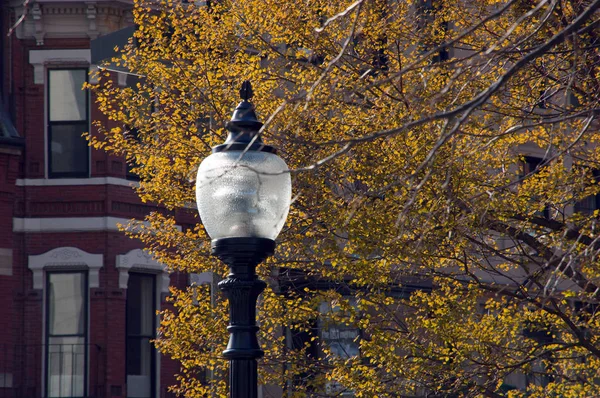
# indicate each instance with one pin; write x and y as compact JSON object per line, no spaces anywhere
{"x":425,"y":251}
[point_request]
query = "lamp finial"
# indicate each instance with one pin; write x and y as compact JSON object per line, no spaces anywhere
{"x":246,"y":90}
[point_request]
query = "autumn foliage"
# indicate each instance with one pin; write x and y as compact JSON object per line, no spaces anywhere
{"x":443,"y":237}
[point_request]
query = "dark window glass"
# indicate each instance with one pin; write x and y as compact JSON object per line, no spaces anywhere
{"x":132,"y":134}
{"x":139,"y":356}
{"x":68,"y":152}
{"x":530,"y":165}
{"x":68,"y":149}
{"x":591,"y":203}
{"x":427,"y":14}
{"x":141,"y":310}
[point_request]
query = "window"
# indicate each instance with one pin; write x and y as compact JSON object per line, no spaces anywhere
{"x":67,"y":121}
{"x":341,"y":339}
{"x":427,"y":16}
{"x":591,"y":203}
{"x":66,"y":334}
{"x":299,"y":339}
{"x":131,"y":164}
{"x":141,"y":313}
{"x":530,"y":165}
{"x":540,"y":373}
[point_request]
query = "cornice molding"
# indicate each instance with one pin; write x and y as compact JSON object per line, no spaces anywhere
{"x":72,"y":19}
{"x":40,"y":58}
{"x":47,"y":182}
{"x":138,"y":259}
{"x":65,"y":258}
{"x":67,"y":224}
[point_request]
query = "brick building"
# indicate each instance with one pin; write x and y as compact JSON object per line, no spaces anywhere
{"x":78,"y":297}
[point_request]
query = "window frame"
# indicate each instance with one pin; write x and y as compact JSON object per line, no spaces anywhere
{"x":50,"y":124}
{"x":579,"y":206}
{"x":85,"y":334}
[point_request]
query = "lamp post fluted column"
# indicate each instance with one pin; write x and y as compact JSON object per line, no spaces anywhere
{"x":243,"y":192}
{"x":242,"y":288}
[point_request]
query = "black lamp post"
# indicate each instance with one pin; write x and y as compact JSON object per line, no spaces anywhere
{"x":243,"y":192}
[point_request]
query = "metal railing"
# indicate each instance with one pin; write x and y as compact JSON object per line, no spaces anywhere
{"x":25,"y":370}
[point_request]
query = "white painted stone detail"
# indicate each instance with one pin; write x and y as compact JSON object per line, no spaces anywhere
{"x":91,"y":12}
{"x":68,"y":224}
{"x":65,"y":258}
{"x":69,"y":19}
{"x":138,"y":259}
{"x":71,"y":224}
{"x":41,"y":58}
{"x":6,"y":380}
{"x":6,"y":261}
{"x":203,"y":278}
{"x":45,"y":182}
{"x":39,"y":32}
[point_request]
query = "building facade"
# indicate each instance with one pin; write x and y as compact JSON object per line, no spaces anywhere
{"x":79,"y":298}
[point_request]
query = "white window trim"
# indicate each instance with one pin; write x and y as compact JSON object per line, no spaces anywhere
{"x":139,"y":260}
{"x":61,"y":259}
{"x":47,"y":115}
{"x":65,"y":258}
{"x":40,"y":59}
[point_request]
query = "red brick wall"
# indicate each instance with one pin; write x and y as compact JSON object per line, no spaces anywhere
{"x":21,"y":313}
{"x":9,"y":166}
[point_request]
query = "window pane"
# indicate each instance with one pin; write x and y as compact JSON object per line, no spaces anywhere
{"x":531,"y":164}
{"x":66,"y":309}
{"x":139,"y":356}
{"x":140,"y":330}
{"x":69,"y":150}
{"x":66,"y":366}
{"x":140,"y":305}
{"x":586,"y":205}
{"x":591,"y":203}
{"x":67,"y":99}
{"x":66,"y":348}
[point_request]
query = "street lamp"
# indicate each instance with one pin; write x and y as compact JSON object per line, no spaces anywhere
{"x":243,"y":192}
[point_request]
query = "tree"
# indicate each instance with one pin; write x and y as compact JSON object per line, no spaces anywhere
{"x":447,"y":145}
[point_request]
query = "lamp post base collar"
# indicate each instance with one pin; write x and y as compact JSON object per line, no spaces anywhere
{"x":238,"y":253}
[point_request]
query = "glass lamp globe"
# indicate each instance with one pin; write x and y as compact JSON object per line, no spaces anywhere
{"x":243,"y":190}
{"x":243,"y":194}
